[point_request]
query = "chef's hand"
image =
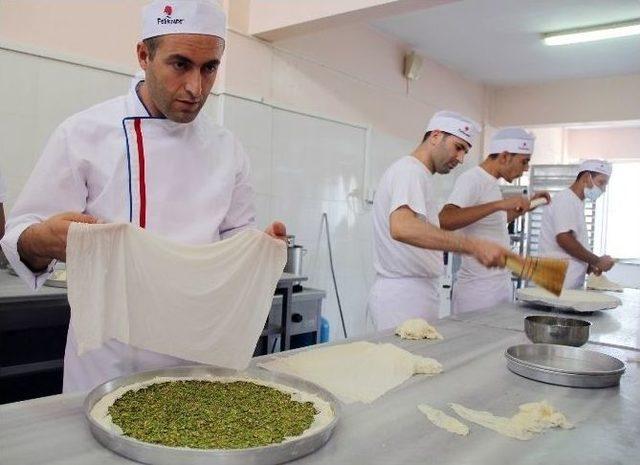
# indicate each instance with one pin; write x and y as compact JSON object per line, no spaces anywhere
{"x":518,"y":204}
{"x":542,"y":195}
{"x":277,"y":230}
{"x":594,"y":270}
{"x":489,"y":253}
{"x":42,"y":242}
{"x":604,"y":263}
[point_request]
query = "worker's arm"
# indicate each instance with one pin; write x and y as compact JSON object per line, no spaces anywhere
{"x":524,"y":207}
{"x":43,"y":242}
{"x":453,"y":217}
{"x":571,"y":245}
{"x":406,"y":227}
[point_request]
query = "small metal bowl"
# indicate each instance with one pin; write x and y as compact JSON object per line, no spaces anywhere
{"x":556,"y":330}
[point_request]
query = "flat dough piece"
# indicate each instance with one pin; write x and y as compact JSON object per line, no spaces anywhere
{"x":532,"y":418}
{"x":444,"y":421}
{"x":602,"y":283}
{"x":203,"y":303}
{"x":417,"y":328}
{"x":574,"y":299}
{"x":356,"y":372}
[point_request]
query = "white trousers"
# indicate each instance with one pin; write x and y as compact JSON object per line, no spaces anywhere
{"x":395,"y":300}
{"x":475,"y":294}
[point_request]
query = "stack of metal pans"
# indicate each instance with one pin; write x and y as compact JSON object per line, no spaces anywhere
{"x":564,"y":365}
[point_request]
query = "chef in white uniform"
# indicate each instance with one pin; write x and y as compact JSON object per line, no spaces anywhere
{"x":408,"y":243}
{"x":150,"y":158}
{"x":563,"y":232}
{"x":476,"y":207}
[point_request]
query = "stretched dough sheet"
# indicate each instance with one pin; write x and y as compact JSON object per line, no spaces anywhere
{"x":532,"y":418}
{"x":204,"y":303}
{"x":570,"y":299}
{"x":444,"y":421}
{"x":355,"y":372}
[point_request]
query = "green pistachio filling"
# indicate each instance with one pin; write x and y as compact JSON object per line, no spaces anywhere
{"x":211,"y":414}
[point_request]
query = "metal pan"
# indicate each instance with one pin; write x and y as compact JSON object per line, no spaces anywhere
{"x":564,"y":379}
{"x":163,"y":455}
{"x":565,"y":359}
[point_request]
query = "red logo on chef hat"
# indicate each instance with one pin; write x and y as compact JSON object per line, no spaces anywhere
{"x":465,"y":131}
{"x":168,"y":10}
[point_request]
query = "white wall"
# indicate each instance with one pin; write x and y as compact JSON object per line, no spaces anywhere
{"x":305,"y":166}
{"x":614,"y":143}
{"x":614,"y":98}
{"x":36,"y":95}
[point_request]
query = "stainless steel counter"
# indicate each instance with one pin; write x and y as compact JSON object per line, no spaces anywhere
{"x":14,"y":289}
{"x":618,"y":327}
{"x":391,"y":430}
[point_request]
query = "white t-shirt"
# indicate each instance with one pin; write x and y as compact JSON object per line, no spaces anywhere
{"x":475,"y":187}
{"x":3,"y":189}
{"x":564,"y":214}
{"x":406,"y":182}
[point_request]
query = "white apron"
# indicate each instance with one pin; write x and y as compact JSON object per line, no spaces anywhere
{"x":392,"y":301}
{"x":475,"y":294}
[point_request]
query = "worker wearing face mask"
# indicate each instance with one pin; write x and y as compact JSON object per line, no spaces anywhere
{"x":563,"y":232}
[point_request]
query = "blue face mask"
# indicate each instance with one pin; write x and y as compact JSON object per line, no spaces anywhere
{"x":592,"y":193}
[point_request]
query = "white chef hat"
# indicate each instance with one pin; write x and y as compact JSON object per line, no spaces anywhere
{"x":597,"y":166}
{"x":456,"y":124}
{"x":512,"y":140}
{"x":183,"y":17}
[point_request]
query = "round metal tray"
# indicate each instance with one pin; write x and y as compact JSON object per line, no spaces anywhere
{"x":578,"y":303}
{"x":564,"y":365}
{"x":564,"y":379}
{"x":162,"y":455}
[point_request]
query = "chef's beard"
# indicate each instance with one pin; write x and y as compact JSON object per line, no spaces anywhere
{"x":165,"y":102}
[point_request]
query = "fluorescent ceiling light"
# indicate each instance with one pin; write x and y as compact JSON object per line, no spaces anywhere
{"x":605,"y":31}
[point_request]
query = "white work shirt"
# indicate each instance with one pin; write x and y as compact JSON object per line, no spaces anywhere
{"x":187,"y":182}
{"x":476,"y":187}
{"x":3,"y":189}
{"x":477,"y":286}
{"x":564,"y":214}
{"x":407,"y":277}
{"x":406,"y":182}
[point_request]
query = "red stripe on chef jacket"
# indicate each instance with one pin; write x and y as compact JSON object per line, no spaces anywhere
{"x":142,"y":184}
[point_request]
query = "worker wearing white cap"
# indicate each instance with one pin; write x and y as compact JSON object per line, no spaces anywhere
{"x":476,"y":207}
{"x":563,"y":232}
{"x":408,"y":242}
{"x":150,"y":158}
